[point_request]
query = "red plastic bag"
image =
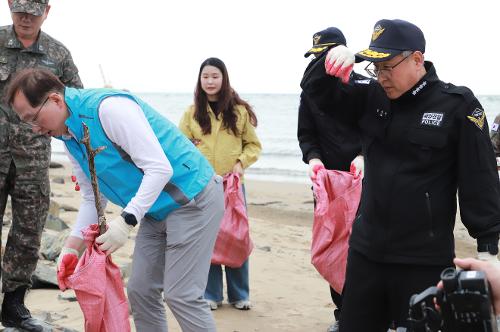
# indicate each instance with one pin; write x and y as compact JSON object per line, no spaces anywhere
{"x":233,"y":244}
{"x":99,"y":288}
{"x":337,"y":198}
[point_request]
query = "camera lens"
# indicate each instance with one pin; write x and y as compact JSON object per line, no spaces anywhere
{"x":450,"y":280}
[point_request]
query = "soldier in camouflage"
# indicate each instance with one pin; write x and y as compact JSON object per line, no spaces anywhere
{"x":24,"y":155}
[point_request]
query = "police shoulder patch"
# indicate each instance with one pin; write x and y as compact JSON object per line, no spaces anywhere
{"x":477,"y":117}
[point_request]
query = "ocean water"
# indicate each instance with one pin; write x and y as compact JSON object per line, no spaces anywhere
{"x":281,"y":158}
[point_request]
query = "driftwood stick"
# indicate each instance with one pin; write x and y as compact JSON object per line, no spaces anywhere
{"x":93,"y":177}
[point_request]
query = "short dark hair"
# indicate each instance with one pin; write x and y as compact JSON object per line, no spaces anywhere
{"x":35,"y":84}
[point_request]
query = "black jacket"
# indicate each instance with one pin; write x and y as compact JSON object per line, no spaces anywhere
{"x":327,"y":128}
{"x":419,"y":150}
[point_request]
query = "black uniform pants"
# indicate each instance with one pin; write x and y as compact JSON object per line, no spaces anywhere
{"x":337,"y":300}
{"x":376,"y":294}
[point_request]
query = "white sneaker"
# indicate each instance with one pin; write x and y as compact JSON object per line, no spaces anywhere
{"x":242,"y":305}
{"x":213,"y":305}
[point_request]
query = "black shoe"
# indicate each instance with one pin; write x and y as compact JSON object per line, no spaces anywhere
{"x":15,"y":313}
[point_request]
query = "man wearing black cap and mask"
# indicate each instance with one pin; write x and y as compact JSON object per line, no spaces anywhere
{"x":326,"y":128}
{"x":423,"y":140}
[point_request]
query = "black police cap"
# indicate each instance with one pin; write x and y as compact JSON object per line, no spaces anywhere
{"x":390,"y":38}
{"x":324,"y":39}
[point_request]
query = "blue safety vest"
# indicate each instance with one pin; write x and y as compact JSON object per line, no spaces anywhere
{"x":119,"y":178}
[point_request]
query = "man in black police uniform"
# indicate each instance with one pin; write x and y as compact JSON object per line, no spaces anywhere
{"x":422,"y":140}
{"x":326,"y":131}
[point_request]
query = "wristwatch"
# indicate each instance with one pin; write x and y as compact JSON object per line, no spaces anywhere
{"x":129,"y":218}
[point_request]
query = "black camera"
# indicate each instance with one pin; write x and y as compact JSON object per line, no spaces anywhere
{"x":464,"y":305}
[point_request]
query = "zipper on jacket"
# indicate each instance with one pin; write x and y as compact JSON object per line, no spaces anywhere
{"x":431,"y":223}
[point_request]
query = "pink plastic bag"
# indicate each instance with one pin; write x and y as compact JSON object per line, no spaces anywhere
{"x":99,"y":288}
{"x":233,"y":244}
{"x":337,"y":198}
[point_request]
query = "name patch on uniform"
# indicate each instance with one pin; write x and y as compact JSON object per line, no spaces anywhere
{"x":362,"y":81}
{"x":477,"y":117}
{"x":432,"y":119}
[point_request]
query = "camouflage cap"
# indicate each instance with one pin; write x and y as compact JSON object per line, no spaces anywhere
{"x":33,"y":7}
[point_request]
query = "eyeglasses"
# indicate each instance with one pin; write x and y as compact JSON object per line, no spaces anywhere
{"x":375,"y":72}
{"x":33,"y":121}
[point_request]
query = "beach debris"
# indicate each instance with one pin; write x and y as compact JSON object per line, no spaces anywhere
{"x":47,"y":327}
{"x":54,"y":164}
{"x":54,"y":208}
{"x":91,"y":153}
{"x":77,"y":185}
{"x":55,"y":223}
{"x":67,"y":296}
{"x":58,"y":180}
{"x":68,"y":208}
{"x":52,"y":243}
{"x":44,"y":275}
{"x":266,"y":203}
{"x":264,"y":248}
{"x":49,"y":317}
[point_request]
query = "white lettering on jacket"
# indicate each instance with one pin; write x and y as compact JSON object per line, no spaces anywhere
{"x":432,"y":119}
{"x":419,"y":88}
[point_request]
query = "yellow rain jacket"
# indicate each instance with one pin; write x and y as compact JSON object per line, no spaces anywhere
{"x":221,"y":147}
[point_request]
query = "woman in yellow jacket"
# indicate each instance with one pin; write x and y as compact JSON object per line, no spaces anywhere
{"x":222,"y":126}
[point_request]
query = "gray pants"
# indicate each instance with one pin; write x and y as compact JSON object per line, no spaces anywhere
{"x":174,"y":257}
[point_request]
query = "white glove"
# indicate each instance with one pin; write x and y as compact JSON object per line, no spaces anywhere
{"x":116,"y":235}
{"x":314,"y":165}
{"x":339,"y":62}
{"x":487,"y":257}
{"x":67,"y":251}
{"x":358,"y":166}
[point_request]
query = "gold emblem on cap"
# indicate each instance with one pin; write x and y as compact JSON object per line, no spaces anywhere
{"x":316,"y":39}
{"x":377,"y":31}
{"x":374,"y":54}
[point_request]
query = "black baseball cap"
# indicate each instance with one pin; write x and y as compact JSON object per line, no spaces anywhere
{"x":324,"y":39}
{"x":390,"y":38}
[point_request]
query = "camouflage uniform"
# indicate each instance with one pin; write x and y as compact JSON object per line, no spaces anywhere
{"x":25,"y":156}
{"x":495,"y":135}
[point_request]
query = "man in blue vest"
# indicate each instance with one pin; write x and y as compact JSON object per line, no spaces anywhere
{"x":151,"y":170}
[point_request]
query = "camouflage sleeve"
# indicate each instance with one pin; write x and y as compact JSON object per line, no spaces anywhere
{"x":495,"y":135}
{"x":70,"y":75}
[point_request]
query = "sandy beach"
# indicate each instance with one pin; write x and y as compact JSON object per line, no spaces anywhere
{"x":287,"y":293}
